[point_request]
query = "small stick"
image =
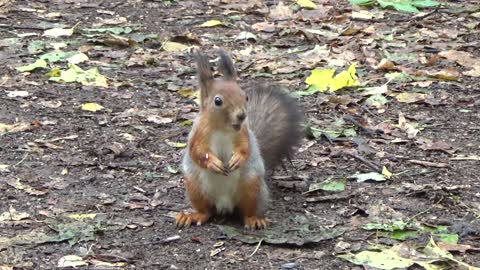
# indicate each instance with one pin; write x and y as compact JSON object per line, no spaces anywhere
{"x":256,"y":249}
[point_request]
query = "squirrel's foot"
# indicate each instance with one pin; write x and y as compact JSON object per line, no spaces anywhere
{"x":185,"y":220}
{"x":254,"y":222}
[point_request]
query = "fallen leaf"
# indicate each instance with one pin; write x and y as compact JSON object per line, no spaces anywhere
{"x":212,"y":23}
{"x":246,"y":36}
{"x":71,"y":261}
{"x":323,"y":80}
{"x":410,"y":97}
{"x":328,"y":185}
{"x":386,"y":64}
{"x":58,"y":32}
{"x":406,"y":127}
{"x":447,"y":74}
{"x":18,"y":127}
{"x":264,"y":27}
{"x":306,"y":4}
{"x":170,"y":46}
{"x":281,"y":11}
{"x":376,"y":90}
{"x":92,"y":107}
{"x":362,"y":177}
{"x":13,"y":94}
{"x":77,"y":58}
{"x":39,"y":63}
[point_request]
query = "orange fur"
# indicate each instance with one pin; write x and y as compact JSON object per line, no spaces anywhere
{"x":199,"y":202}
{"x":248,"y":193}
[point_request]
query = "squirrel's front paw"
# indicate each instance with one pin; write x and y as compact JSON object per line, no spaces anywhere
{"x":254,"y":222}
{"x":215,"y":164}
{"x":236,"y":161}
{"x":185,"y":220}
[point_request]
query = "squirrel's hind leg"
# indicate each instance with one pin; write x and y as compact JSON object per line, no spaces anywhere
{"x":251,"y":199}
{"x":199,"y":202}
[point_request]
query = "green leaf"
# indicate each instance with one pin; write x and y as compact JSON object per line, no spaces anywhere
{"x":76,"y":74}
{"x":425,"y":3}
{"x":447,"y":237}
{"x":401,"y":235}
{"x":35,"y":46}
{"x":386,"y":259}
{"x":294,"y":231}
{"x":39,"y":63}
{"x":328,"y":185}
{"x":57,"y":56}
{"x":396,"y":225}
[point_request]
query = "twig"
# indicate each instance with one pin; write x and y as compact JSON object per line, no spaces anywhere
{"x":163,"y":241}
{"x":367,"y":162}
{"x":424,"y":211}
{"x":256,"y":249}
{"x":23,"y":159}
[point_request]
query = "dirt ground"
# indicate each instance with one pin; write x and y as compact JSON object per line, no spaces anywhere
{"x":121,"y":163}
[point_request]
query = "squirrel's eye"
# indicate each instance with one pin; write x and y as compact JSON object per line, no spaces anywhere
{"x":218,"y":101}
{"x":246,"y":98}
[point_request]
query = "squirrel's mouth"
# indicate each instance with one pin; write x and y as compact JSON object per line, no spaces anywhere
{"x":237,"y":126}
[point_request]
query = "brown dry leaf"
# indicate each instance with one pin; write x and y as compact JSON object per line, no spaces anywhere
{"x":475,"y":72}
{"x":18,"y":127}
{"x":429,"y":163}
{"x":462,"y":58}
{"x":406,"y":127}
{"x":264,"y":27}
{"x":386,"y":64}
{"x":447,"y":74}
{"x":281,"y":11}
{"x":13,"y":215}
{"x":456,"y":247}
{"x":422,"y":83}
{"x":430,"y":145}
{"x":410,"y":97}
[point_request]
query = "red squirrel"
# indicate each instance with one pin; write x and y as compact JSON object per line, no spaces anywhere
{"x":235,"y":138}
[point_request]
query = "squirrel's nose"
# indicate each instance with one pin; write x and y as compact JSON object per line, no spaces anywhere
{"x":241,"y":116}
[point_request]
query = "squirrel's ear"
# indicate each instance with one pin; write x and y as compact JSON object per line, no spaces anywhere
{"x":205,"y":75}
{"x":225,"y":66}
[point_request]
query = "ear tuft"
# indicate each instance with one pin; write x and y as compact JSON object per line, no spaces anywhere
{"x":226,"y":67}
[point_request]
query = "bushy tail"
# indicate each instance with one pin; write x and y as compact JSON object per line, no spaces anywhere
{"x":275,"y":119}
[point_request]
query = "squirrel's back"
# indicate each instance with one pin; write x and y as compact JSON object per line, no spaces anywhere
{"x":275,"y":119}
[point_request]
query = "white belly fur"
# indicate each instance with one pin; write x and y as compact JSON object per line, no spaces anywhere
{"x":221,"y":189}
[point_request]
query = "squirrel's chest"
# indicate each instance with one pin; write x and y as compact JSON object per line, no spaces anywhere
{"x":222,"y":144}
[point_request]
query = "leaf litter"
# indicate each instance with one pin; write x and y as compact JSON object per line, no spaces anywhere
{"x":391,"y":99}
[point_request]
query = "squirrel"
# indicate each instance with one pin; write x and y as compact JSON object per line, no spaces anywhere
{"x":236,"y":137}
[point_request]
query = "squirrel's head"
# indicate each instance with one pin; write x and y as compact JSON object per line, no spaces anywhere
{"x":221,"y":99}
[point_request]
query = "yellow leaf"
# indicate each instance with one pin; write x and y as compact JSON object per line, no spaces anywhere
{"x":176,"y":144}
{"x":306,"y":4}
{"x":82,"y":216}
{"x":170,"y":46}
{"x":322,"y":80}
{"x":386,"y":172}
{"x":187,"y":92}
{"x":92,"y":107}
{"x":211,"y":23}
